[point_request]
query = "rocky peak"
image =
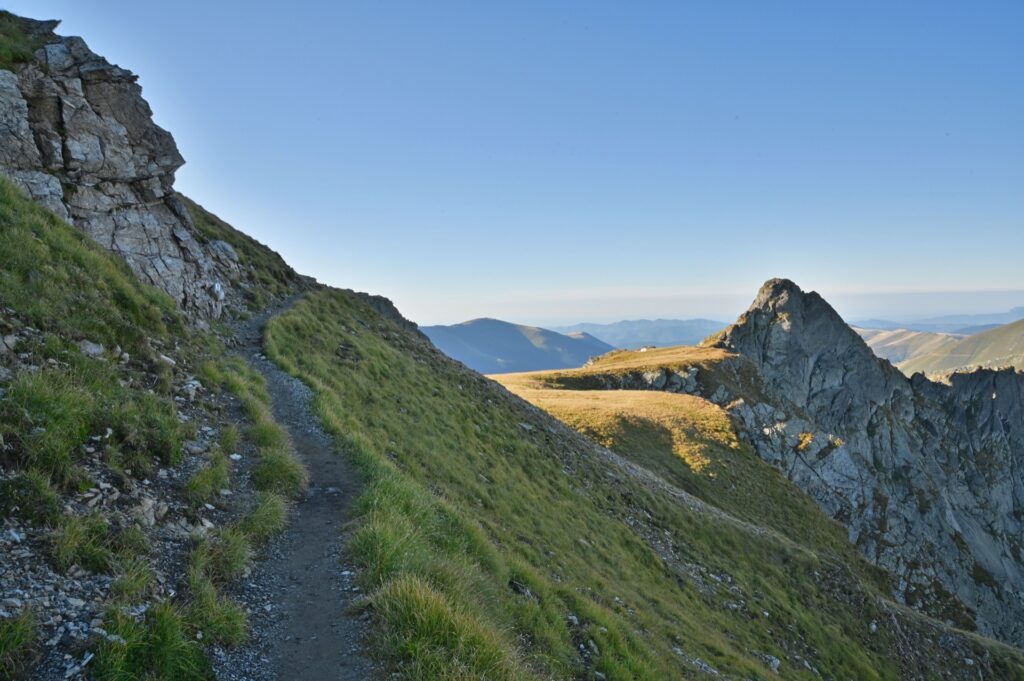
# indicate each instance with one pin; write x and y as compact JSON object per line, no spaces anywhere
{"x":80,"y":139}
{"x":805,"y":350}
{"x":927,"y":476}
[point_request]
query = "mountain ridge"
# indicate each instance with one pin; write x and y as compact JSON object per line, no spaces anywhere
{"x":493,"y":346}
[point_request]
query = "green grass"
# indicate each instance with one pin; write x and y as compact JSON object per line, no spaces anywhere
{"x":267,"y":519}
{"x":205,"y":484}
{"x":134,"y":580}
{"x":29,"y":496}
{"x":70,"y":289}
{"x":278,"y":469}
{"x":16,"y":47}
{"x":18,"y":636}
{"x":161,"y":647}
{"x":91,"y":543}
{"x":482,"y":535}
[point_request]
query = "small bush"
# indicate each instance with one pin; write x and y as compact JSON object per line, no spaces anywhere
{"x":17,"y":638}
{"x":30,"y":497}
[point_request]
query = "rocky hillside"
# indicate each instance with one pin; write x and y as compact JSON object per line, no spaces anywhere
{"x":80,"y":140}
{"x":492,"y":346}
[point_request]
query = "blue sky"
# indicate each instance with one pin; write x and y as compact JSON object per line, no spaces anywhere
{"x":559,"y":161}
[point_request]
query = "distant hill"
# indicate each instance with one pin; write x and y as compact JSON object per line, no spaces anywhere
{"x":999,"y":347}
{"x":637,"y":333}
{"x":492,"y":346}
{"x":958,"y":323}
{"x":900,"y":345}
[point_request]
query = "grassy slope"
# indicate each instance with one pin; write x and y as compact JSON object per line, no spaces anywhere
{"x":902,"y":345}
{"x":56,"y":280}
{"x":497,"y":544}
{"x":996,"y":348}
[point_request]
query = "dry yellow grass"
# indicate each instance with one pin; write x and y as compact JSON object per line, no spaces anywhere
{"x":687,"y":426}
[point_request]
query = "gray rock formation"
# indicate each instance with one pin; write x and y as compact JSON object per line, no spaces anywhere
{"x":77,"y":136}
{"x":927,"y":477}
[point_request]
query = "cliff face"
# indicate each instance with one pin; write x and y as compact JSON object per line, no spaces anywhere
{"x":79,"y":139}
{"x":928,"y":477}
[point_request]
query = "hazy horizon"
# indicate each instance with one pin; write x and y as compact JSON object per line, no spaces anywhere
{"x":853,"y":307}
{"x":559,"y":163}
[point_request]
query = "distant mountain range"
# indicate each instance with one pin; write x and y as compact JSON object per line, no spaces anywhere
{"x":492,"y":346}
{"x":960,"y":323}
{"x":638,"y":333}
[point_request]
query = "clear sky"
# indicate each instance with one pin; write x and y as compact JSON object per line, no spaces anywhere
{"x":550,"y":162}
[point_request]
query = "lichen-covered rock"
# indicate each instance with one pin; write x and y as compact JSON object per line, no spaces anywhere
{"x":77,"y":136}
{"x":928,"y":477}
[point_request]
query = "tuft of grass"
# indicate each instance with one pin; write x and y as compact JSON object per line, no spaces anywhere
{"x":158,"y":648}
{"x":205,"y":484}
{"x":279,"y":471}
{"x":89,"y":542}
{"x":134,"y":581}
{"x":82,"y":541}
{"x":223,"y":555}
{"x":268,"y":518}
{"x":215,"y":618}
{"x":229,"y":438}
{"x":18,"y":636}
{"x":16,"y":46}
{"x":29,"y":496}
{"x":439,"y":640}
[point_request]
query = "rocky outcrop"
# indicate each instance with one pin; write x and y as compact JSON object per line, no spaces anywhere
{"x":927,"y":477}
{"x":77,"y":136}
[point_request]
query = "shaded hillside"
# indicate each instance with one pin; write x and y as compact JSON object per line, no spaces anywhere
{"x":1000,"y":347}
{"x":496,"y":543}
{"x":900,"y":345}
{"x":638,"y":333}
{"x":492,"y":346}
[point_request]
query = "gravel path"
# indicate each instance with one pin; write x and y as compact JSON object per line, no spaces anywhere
{"x":302,"y":593}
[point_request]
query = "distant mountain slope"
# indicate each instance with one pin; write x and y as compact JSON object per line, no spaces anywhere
{"x":900,"y":345}
{"x":637,"y":333}
{"x":1002,"y":346}
{"x":956,"y":323}
{"x":492,"y":346}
